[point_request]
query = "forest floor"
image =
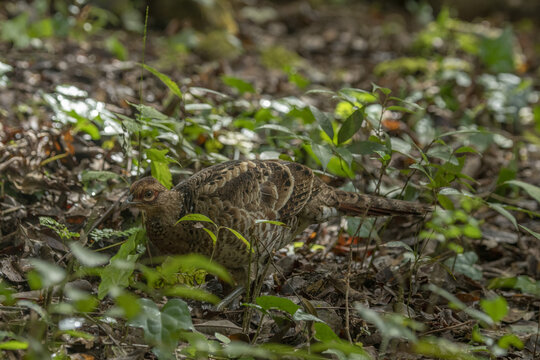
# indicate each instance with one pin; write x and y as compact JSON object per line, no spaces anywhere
{"x":50,"y":89}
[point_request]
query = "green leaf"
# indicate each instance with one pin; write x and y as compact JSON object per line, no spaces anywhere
{"x":115,"y":47}
{"x":268,"y":302}
{"x":400,"y":109}
{"x":273,"y":222}
{"x":88,"y":257}
{"x":384,"y":90}
{"x":533,"y":191}
{"x":498,"y":53}
{"x":367,"y":147}
{"x":129,"y":304}
{"x":301,"y":315}
{"x":162,"y":329}
{"x":241,"y":237}
{"x":196,"y":217}
{"x":439,"y":348}
{"x":14,"y":345}
{"x":165,"y":79}
{"x":121,"y":266}
{"x":533,"y":233}
{"x":241,"y":85}
{"x":351,"y":125}
{"x":323,"y":332}
{"x":323,"y":121}
{"x":522,"y":283}
{"x":464,"y":264}
{"x":323,"y":154}
{"x":50,"y":274}
{"x":458,"y":304}
{"x":159,"y":166}
{"x":496,"y":308}
{"x":501,"y":210}
{"x":212,"y":235}
{"x":510,"y":340}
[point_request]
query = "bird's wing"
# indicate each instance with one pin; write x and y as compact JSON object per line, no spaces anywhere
{"x":280,"y":187}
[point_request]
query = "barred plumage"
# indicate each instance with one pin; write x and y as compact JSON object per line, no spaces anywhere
{"x":236,"y":194}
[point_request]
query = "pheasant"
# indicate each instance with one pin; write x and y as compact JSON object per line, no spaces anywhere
{"x":236,"y":194}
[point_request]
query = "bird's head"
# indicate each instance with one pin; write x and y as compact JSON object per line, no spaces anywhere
{"x":146,"y":194}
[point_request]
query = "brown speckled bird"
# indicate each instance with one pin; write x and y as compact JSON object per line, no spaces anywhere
{"x":236,"y":194}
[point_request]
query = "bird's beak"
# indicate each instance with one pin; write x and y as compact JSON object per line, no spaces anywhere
{"x":128,"y":202}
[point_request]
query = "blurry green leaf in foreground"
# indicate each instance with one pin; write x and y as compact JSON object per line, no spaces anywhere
{"x":523,"y":283}
{"x":241,"y":85}
{"x":439,"y":348}
{"x":274,"y":302}
{"x":88,"y":257}
{"x":121,"y":265}
{"x":498,"y":53}
{"x":162,"y":328}
{"x":497,"y":307}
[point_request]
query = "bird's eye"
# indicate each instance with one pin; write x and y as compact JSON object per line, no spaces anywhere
{"x":148,"y":195}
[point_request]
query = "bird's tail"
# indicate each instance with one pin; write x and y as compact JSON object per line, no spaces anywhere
{"x":353,"y":204}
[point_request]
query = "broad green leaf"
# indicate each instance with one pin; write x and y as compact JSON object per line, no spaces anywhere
{"x":301,"y":315}
{"x":323,"y":332}
{"x":323,"y":121}
{"x":165,"y":79}
{"x":496,"y":308}
{"x":498,"y":53}
{"x":159,"y":166}
{"x":162,"y":329}
{"x":366,"y":147}
{"x":384,"y":90}
{"x":121,"y":265}
{"x":464,"y":264}
{"x":323,"y":153}
{"x":523,"y":283}
{"x":508,"y":340}
{"x":88,"y":257}
{"x":533,"y":191}
{"x":268,"y":302}
{"x":351,"y":125}
{"x":129,"y":304}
